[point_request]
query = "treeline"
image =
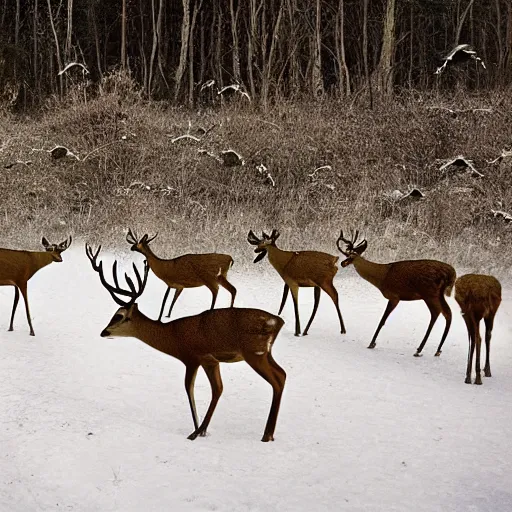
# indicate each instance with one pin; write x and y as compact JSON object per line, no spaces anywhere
{"x":187,"y":50}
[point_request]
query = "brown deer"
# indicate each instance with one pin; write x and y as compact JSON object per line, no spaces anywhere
{"x":17,"y":267}
{"x":427,"y":280}
{"x":299,"y":269}
{"x":216,"y":336}
{"x":187,"y":271}
{"x":479,"y":296}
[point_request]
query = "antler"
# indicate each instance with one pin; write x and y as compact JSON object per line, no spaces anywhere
{"x":274,"y":235}
{"x":147,"y":240}
{"x":64,"y":245}
{"x":252,"y":238}
{"x":132,"y":238}
{"x":349,"y":243}
{"x":133,"y":293}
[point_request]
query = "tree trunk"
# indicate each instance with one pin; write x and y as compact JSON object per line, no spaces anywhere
{"x":317,"y":75}
{"x":57,"y":47}
{"x":386,"y":63}
{"x":123,"y":35}
{"x":365,"y":51}
{"x":185,"y":34}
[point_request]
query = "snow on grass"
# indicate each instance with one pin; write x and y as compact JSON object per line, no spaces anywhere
{"x":91,"y":424}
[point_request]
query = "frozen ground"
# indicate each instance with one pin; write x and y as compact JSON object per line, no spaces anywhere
{"x":89,"y":424}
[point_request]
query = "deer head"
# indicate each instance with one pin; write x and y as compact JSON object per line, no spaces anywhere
{"x":56,"y":249}
{"x":262,"y":243}
{"x":139,"y":245}
{"x":351,"y":250}
{"x":119,"y":324}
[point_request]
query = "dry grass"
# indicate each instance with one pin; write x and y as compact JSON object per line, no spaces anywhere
{"x":130,"y":174}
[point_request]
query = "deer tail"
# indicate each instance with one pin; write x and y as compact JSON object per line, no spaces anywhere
{"x":449,"y":282}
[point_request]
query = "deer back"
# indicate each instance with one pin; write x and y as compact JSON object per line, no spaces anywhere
{"x":417,"y":279}
{"x":19,"y":266}
{"x":226,"y":334}
{"x":478,"y":294}
{"x":191,"y":270}
{"x":308,"y":268}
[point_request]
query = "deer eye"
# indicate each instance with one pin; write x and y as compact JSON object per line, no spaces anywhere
{"x":117,"y":318}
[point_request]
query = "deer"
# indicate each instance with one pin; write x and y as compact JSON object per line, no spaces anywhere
{"x":225,"y":335}
{"x":479,"y":297}
{"x":299,"y":269}
{"x":17,"y":267}
{"x":186,"y":271}
{"x":427,"y":280}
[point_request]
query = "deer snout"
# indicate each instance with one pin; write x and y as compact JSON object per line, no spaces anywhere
{"x":346,"y":263}
{"x":105,"y":333}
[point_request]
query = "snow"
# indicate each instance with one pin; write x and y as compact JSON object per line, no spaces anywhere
{"x":90,"y":424}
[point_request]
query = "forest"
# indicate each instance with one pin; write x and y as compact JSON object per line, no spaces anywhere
{"x":186,"y":51}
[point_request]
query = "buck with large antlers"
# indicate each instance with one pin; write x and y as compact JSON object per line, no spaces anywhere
{"x":299,"y":269}
{"x":216,"y":336}
{"x":187,"y":271}
{"x":479,"y":296}
{"x":427,"y":280}
{"x":17,"y":267}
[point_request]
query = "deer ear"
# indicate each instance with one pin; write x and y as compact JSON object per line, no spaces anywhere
{"x":252,"y":238}
{"x":361,"y":247}
{"x":45,"y":242}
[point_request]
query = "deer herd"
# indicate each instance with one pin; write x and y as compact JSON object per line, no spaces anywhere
{"x":235,"y":334}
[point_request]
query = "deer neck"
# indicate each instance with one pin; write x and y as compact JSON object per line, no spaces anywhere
{"x":278,"y":258}
{"x":153,"y":259}
{"x":372,"y":272}
{"x":39,"y":260}
{"x":153,"y":333}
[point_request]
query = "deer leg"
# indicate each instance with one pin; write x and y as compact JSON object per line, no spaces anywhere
{"x":214,"y":288}
{"x":283,"y":301}
{"x":212,"y":371}
{"x":275,"y":376}
{"x":279,"y":372}
{"x":332,"y":292}
{"x":228,"y":286}
{"x":295,"y":296}
{"x":392,"y":304}
{"x":435,"y":310}
{"x":489,"y":322}
{"x":177,"y":293}
{"x":478,"y":343}
{"x":315,"y":307}
{"x":14,"y":306}
{"x":190,"y":377}
{"x":163,"y":304}
{"x":447,"y":313}
{"x":23,"y":290}
{"x":471,"y":347}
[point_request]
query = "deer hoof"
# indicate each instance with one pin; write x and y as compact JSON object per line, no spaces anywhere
{"x":468,"y":380}
{"x":371,"y":345}
{"x":418,"y":354}
{"x":192,"y":436}
{"x":437,"y":354}
{"x":267,"y":437}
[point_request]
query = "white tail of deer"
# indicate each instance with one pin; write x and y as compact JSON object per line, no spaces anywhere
{"x":17,"y":267}
{"x":187,"y":271}
{"x":479,"y":296}
{"x":427,"y":280}
{"x":215,"y":336}
{"x":299,"y":269}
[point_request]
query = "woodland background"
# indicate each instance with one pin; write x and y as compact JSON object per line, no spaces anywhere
{"x":340,"y":114}
{"x":274,"y":48}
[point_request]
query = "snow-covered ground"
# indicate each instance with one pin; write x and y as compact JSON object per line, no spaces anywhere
{"x":89,"y":424}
